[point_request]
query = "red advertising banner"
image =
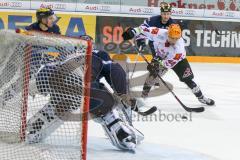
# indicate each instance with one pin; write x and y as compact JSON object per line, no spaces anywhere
{"x":230,"y":5}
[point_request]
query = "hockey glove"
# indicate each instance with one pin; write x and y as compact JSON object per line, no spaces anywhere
{"x":128,"y":100}
{"x":129,"y":34}
{"x":154,"y":66}
{"x":141,"y":43}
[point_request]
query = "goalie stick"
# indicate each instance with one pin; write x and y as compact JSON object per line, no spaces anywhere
{"x":188,"y":109}
{"x":146,"y":113}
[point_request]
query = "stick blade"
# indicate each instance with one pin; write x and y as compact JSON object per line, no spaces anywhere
{"x":197,"y":110}
{"x":148,"y":112}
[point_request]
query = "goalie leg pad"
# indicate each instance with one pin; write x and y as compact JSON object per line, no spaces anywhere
{"x":42,"y":124}
{"x":127,"y":119}
{"x":121,"y":134}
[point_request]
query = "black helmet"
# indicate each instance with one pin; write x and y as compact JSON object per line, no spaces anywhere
{"x":43,"y":13}
{"x":165,"y":7}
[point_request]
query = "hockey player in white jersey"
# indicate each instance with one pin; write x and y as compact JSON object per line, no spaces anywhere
{"x":170,"y":54}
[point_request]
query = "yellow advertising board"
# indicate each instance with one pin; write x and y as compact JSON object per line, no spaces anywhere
{"x":69,"y":23}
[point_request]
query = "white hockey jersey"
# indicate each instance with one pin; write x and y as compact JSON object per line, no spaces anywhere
{"x":170,"y":54}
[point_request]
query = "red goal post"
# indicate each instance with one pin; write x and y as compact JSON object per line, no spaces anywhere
{"x":28,"y":43}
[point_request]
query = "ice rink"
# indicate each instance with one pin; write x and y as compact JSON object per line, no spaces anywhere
{"x":212,"y":135}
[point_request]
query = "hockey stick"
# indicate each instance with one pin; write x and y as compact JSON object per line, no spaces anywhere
{"x":218,"y":33}
{"x":188,"y":109}
{"x":146,"y":113}
{"x":134,"y":66}
{"x":135,"y":109}
{"x":135,"y":63}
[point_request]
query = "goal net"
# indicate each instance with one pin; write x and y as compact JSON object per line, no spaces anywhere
{"x":44,"y":96}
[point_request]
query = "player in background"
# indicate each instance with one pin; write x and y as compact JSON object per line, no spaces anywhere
{"x":170,"y":54}
{"x":46,"y":21}
{"x":159,"y":21}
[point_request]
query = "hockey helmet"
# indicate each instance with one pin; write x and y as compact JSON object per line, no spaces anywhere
{"x":165,"y":7}
{"x":44,"y":13}
{"x":174,"y":31}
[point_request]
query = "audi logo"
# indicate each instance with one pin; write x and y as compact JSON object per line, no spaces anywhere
{"x":229,"y":14}
{"x":60,"y":6}
{"x":189,"y":13}
{"x":16,"y":4}
{"x":11,"y":4}
{"x":98,"y":8}
{"x":148,"y":10}
{"x":104,"y":8}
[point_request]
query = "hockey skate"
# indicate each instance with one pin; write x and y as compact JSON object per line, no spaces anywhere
{"x":205,"y":100}
{"x":201,"y":98}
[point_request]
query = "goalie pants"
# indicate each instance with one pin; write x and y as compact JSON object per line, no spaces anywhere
{"x":65,"y":90}
{"x":65,"y":86}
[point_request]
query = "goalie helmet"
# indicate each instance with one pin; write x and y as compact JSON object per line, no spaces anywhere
{"x":43,"y":13}
{"x":165,"y":7}
{"x":174,"y":31}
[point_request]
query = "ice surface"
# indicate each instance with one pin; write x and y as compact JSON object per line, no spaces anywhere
{"x":214,"y":134}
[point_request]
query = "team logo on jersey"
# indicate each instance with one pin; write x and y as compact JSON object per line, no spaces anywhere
{"x":187,"y":73}
{"x":146,"y":30}
{"x":177,"y":57}
{"x":155,"y":31}
{"x":167,"y":44}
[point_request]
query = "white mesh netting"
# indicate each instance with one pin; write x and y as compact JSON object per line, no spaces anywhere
{"x":42,"y":88}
